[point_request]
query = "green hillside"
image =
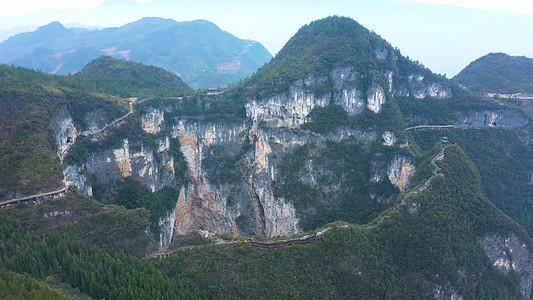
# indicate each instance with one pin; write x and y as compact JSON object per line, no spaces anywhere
{"x":29,"y":102}
{"x":127,"y":79}
{"x":498,"y":73}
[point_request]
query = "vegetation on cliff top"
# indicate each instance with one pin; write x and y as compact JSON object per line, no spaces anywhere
{"x":504,"y":163}
{"x":498,"y":73}
{"x":323,"y":45}
{"x":130,"y":79}
{"x":30,"y":102}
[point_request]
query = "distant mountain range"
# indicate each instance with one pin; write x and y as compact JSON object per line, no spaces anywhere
{"x":498,"y":73}
{"x":198,"y":51}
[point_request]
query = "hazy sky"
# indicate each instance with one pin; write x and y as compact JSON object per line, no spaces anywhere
{"x":444,"y":35}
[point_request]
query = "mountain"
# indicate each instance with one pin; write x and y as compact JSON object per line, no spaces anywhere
{"x":341,"y":169}
{"x":31,"y":103}
{"x":450,"y":230}
{"x":125,"y":78}
{"x":199,"y":52}
{"x":6,"y":33}
{"x":498,"y":73}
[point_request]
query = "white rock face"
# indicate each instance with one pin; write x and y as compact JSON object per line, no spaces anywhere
{"x":381,"y":53}
{"x":167,"y":225}
{"x":400,"y":171}
{"x":262,"y":150}
{"x":377,"y":174}
{"x":123,"y":159}
{"x":152,"y":120}
{"x":375,"y":98}
{"x":434,"y":90}
{"x":73,"y":176}
{"x":66,"y":136}
{"x":164,"y":145}
{"x":347,"y":95}
{"x":390,"y":77}
{"x":389,"y":138}
{"x":351,"y":101}
{"x":286,"y":110}
{"x":204,"y":205}
{"x":510,"y":254}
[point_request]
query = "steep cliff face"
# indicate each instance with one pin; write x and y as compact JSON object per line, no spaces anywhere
{"x":152,"y":120}
{"x":504,"y":118}
{"x":232,"y":198}
{"x":419,"y":86}
{"x":400,"y":171}
{"x":66,"y":132}
{"x":287,"y":109}
{"x":75,"y":176}
{"x":510,"y":254}
{"x":140,"y":164}
{"x":347,"y":94}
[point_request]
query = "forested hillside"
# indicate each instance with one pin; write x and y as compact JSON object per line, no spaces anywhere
{"x":30,"y":101}
{"x":340,"y":170}
{"x":128,"y":79}
{"x":498,"y":73}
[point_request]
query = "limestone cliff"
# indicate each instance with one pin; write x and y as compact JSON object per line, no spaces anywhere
{"x":510,"y":254}
{"x":66,"y":132}
{"x":400,"y":171}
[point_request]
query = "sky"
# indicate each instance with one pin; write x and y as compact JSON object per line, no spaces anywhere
{"x":444,"y":35}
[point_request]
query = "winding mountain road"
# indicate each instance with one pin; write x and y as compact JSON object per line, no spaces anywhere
{"x":430,"y":127}
{"x":436,"y":172}
{"x":26,"y":198}
{"x":306,"y":239}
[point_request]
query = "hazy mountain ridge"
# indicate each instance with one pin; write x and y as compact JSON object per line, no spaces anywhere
{"x":198,"y":51}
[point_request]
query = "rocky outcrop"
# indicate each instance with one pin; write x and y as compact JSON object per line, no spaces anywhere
{"x":286,"y":110}
{"x":66,"y":133}
{"x":376,"y":98}
{"x":208,"y":204}
{"x":505,"y":118}
{"x":400,"y":171}
{"x":510,"y":254}
{"x":389,"y":138}
{"x":420,"y":86}
{"x":152,"y":120}
{"x":75,"y":176}
{"x":167,"y":225}
{"x":347,"y":95}
{"x":139,"y":163}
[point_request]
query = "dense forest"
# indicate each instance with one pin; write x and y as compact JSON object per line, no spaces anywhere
{"x":498,"y":73}
{"x":130,"y":79}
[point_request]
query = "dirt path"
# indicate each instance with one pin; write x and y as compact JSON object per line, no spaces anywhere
{"x":31,"y":197}
{"x":430,"y":127}
{"x":436,"y":172}
{"x":165,"y":252}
